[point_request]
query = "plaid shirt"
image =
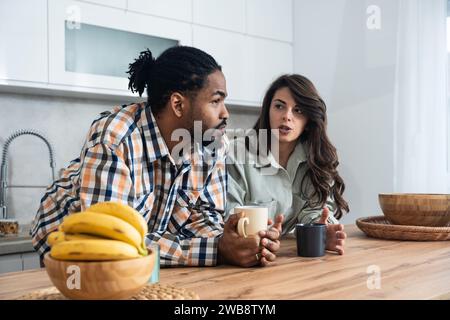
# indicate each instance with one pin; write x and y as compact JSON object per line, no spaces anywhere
{"x":125,"y":159}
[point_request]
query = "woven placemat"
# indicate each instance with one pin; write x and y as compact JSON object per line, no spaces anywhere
{"x":149,"y":292}
{"x":379,"y":227}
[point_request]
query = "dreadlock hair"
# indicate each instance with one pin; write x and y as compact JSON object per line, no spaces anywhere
{"x":178,"y":69}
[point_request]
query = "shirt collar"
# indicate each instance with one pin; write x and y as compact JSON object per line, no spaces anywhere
{"x":298,"y":156}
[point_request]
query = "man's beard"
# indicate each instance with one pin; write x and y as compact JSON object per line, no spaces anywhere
{"x":210,"y":136}
{"x":215,"y":135}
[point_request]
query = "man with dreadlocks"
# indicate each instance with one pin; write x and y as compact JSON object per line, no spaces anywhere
{"x":132,"y":155}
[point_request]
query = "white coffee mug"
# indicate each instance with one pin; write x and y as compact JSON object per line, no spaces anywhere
{"x":253,"y":219}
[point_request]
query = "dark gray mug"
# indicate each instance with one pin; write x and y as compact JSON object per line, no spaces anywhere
{"x":311,"y":239}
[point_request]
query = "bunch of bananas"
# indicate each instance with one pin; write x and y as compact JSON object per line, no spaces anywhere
{"x":105,"y":231}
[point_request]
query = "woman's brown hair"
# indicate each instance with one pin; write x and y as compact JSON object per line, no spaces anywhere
{"x":322,"y":157}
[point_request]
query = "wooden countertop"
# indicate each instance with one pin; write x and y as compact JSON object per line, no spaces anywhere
{"x":408,"y":270}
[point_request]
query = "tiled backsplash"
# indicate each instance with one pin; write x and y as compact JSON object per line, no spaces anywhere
{"x":65,"y":122}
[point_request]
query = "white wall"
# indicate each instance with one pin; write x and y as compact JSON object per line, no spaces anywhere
{"x":353,"y":68}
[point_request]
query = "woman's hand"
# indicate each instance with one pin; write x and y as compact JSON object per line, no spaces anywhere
{"x":270,"y":240}
{"x":335,"y":233}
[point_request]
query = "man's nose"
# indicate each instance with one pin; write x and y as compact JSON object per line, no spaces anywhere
{"x":224,"y":113}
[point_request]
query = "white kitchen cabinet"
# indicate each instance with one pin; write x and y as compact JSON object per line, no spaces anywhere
{"x":19,"y":262}
{"x":172,"y":9}
{"x":85,"y":40}
{"x":121,"y":4}
{"x":248,"y":63}
{"x":23,"y":34}
{"x":30,"y":260}
{"x":10,"y":263}
{"x":270,"y":19}
{"x":223,"y":14}
{"x":229,"y":51}
{"x":83,"y":48}
{"x":266,"y":60}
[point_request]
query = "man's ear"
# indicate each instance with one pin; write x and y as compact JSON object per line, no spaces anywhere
{"x":178,"y":104}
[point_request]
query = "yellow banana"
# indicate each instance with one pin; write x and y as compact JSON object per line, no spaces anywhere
{"x":103,"y":225}
{"x":124,"y":212}
{"x":59,"y":236}
{"x":55,"y":237}
{"x":93,"y":250}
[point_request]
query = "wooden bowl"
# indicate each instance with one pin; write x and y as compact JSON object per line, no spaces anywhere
{"x":431,"y":210}
{"x":100,"y":280}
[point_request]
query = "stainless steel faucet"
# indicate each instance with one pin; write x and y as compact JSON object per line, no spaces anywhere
{"x":3,"y":181}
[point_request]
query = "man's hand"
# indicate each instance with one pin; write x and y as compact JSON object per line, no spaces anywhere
{"x":335,"y":233}
{"x":270,"y":240}
{"x":236,"y":250}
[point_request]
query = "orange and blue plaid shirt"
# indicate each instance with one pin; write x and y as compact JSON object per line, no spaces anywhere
{"x":126,"y":159}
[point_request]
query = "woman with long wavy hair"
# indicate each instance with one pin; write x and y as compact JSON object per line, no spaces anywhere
{"x":292,"y":168}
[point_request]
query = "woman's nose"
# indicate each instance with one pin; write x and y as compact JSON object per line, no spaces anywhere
{"x":287,"y":116}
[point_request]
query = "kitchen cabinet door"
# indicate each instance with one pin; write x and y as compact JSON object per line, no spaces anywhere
{"x":10,"y":263}
{"x":228,"y":49}
{"x":270,"y":19}
{"x":266,"y":60}
{"x":222,"y":14}
{"x":173,"y":9}
{"x":121,"y":4}
{"x":249,"y":64}
{"x":30,"y":260}
{"x":23,"y":34}
{"x":90,"y":46}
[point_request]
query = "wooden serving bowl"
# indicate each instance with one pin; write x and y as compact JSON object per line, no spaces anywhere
{"x":100,"y":280}
{"x":431,"y":210}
